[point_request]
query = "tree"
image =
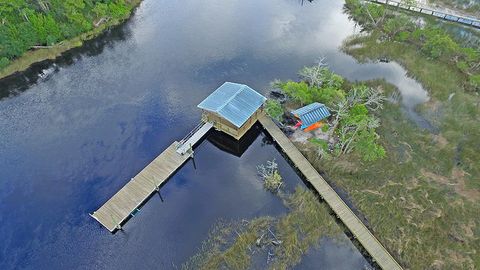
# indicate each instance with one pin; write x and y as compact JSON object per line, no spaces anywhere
{"x":274,"y":109}
{"x":298,"y":91}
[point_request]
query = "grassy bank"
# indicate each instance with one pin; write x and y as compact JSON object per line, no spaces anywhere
{"x":423,"y":199}
{"x":21,"y":60}
{"x":418,"y":201}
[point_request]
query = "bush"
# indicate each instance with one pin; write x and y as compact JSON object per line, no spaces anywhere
{"x":298,"y":91}
{"x":274,"y":109}
{"x":367,"y":147}
{"x":4,"y":62}
{"x":475,"y":80}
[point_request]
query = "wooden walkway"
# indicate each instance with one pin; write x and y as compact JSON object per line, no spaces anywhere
{"x":474,"y":22}
{"x":193,"y":137}
{"x":344,"y":213}
{"x":126,"y":201}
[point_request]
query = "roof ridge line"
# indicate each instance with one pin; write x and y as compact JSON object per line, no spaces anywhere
{"x":231,"y":98}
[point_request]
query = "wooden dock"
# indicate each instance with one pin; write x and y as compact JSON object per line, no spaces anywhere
{"x":127,"y":201}
{"x":381,"y":256}
{"x":470,"y":21}
{"x":193,"y":137}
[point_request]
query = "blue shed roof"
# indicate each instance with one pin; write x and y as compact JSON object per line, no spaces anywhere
{"x":311,"y":114}
{"x":234,"y":102}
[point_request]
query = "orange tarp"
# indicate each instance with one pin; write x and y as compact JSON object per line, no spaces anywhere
{"x":313,"y":126}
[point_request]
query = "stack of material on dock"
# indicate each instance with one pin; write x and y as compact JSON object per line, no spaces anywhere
{"x":343,"y":212}
{"x":126,"y":201}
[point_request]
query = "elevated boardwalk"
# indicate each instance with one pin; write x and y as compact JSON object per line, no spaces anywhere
{"x":356,"y":227}
{"x":470,"y":21}
{"x":127,"y":201}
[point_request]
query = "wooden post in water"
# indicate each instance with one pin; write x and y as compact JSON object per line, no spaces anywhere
{"x":193,"y":157}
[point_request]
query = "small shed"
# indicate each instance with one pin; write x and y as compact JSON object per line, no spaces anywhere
{"x":310,"y":116}
{"x":232,"y":108}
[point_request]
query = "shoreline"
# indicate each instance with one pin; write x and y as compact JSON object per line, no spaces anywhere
{"x":39,"y":55}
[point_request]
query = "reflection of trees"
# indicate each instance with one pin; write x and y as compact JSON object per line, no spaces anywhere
{"x":21,"y":81}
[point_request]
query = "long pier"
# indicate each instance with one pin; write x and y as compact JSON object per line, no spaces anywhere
{"x":126,"y":202}
{"x":474,"y":22}
{"x":378,"y":252}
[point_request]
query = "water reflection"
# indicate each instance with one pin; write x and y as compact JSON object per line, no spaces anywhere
{"x":232,"y":146}
{"x":21,"y":81}
{"x":71,"y":141}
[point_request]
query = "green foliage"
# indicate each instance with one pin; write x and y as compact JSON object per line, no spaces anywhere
{"x":398,"y":24}
{"x":325,"y":128}
{"x":27,"y":23}
{"x":274,"y":109}
{"x":4,"y":62}
{"x":462,"y":65}
{"x":358,"y":111}
{"x":298,"y":91}
{"x":475,"y":80}
{"x":321,"y":85}
{"x":367,"y":147}
{"x":369,"y":14}
{"x":320,"y":143}
{"x":438,"y":44}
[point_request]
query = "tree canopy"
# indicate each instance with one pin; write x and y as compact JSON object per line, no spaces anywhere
{"x":28,"y":23}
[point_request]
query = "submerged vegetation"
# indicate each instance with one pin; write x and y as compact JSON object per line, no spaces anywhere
{"x":28,"y":25}
{"x":272,"y":180}
{"x":268,"y":242}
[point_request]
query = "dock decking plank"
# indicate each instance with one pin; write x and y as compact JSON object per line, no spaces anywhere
{"x":119,"y":207}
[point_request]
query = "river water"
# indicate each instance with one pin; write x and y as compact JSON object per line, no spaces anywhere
{"x":72,"y":133}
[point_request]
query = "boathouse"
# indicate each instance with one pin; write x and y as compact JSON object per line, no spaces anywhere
{"x":232,"y":108}
{"x":310,"y":116}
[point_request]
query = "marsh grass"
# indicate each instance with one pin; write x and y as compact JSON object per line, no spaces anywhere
{"x":411,"y":198}
{"x":282,"y":240}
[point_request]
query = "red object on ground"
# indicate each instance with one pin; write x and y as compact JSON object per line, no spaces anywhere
{"x":299,"y":123}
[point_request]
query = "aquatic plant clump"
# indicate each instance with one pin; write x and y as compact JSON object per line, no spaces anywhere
{"x":267,"y":242}
{"x":272,"y":180}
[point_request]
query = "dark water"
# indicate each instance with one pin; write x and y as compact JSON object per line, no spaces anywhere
{"x":70,"y":139}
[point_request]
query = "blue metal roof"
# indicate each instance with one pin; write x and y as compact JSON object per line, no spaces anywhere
{"x":311,"y":114}
{"x":234,"y":102}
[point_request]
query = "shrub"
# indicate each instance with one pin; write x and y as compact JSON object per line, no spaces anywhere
{"x":4,"y":62}
{"x":274,"y":109}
